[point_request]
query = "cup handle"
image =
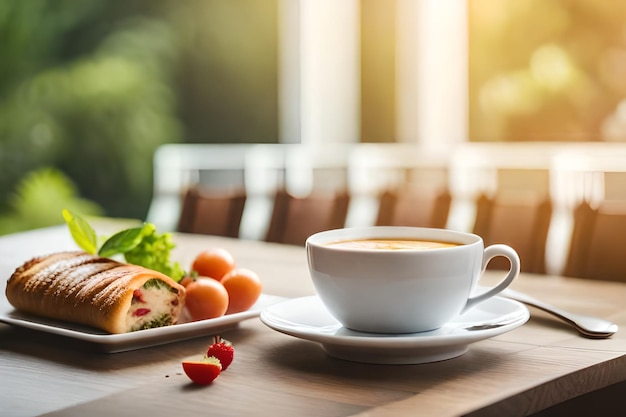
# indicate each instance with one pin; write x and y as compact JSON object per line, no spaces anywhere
{"x":490,"y":253}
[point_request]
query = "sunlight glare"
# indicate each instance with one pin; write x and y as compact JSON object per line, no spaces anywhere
{"x":551,"y":66}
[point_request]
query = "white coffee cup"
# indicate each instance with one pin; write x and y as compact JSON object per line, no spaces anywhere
{"x":402,"y":290}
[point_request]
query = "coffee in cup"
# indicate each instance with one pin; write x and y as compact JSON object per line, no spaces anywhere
{"x":395,"y":279}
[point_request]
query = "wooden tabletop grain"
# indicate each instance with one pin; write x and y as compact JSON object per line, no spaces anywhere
{"x":530,"y":369}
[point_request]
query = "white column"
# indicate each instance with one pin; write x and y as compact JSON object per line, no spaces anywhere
{"x":289,"y":71}
{"x":329,"y":71}
{"x":406,"y":71}
{"x":432,"y":87}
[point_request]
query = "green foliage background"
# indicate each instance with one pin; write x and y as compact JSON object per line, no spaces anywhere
{"x":89,"y":89}
{"x":90,"y":99}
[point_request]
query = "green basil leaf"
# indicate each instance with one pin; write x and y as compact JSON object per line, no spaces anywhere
{"x":122,"y":242}
{"x":82,"y":233}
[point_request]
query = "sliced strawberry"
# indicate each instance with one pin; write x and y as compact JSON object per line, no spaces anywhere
{"x":141,"y":312}
{"x":222,"y":350}
{"x":204,"y":371}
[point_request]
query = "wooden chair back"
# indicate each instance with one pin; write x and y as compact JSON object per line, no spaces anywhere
{"x":212,"y":212}
{"x":296,"y":218}
{"x":597,"y":249}
{"x":179,"y":166}
{"x":522,"y":223}
{"x":412,"y":208}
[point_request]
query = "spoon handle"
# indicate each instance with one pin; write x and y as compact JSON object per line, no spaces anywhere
{"x":586,"y":325}
{"x":527,"y":299}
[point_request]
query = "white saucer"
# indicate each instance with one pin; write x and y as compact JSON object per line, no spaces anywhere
{"x":307,"y":318}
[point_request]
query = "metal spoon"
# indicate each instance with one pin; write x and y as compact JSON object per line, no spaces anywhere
{"x":592,"y":327}
{"x":494,"y":325}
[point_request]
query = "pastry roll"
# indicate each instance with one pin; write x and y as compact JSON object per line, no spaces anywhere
{"x":95,"y":291}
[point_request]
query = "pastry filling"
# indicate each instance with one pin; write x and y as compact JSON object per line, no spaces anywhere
{"x":153,"y":305}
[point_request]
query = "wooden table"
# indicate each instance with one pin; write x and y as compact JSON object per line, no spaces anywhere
{"x":525,"y":371}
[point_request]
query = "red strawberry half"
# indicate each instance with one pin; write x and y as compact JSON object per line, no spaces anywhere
{"x":204,"y":371}
{"x":222,"y":350}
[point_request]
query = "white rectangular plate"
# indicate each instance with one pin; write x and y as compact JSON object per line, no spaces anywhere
{"x":112,"y":343}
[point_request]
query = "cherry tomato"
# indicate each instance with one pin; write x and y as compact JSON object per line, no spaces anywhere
{"x":206,"y":298}
{"x":204,"y":371}
{"x":213,"y":263}
{"x":187,"y":279}
{"x":243,"y":287}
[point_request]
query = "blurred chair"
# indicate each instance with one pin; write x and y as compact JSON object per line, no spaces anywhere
{"x":212,"y":212}
{"x":179,"y":166}
{"x":276,"y":171}
{"x":404,"y":207}
{"x":597,"y":249}
{"x":497,"y":168}
{"x":521,"y":222}
{"x":375,"y":168}
{"x":296,"y":218}
{"x":594,"y":172}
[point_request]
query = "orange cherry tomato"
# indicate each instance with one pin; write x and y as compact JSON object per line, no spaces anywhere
{"x":213,"y":263}
{"x":244,"y":288}
{"x":187,"y":279}
{"x":206,"y":298}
